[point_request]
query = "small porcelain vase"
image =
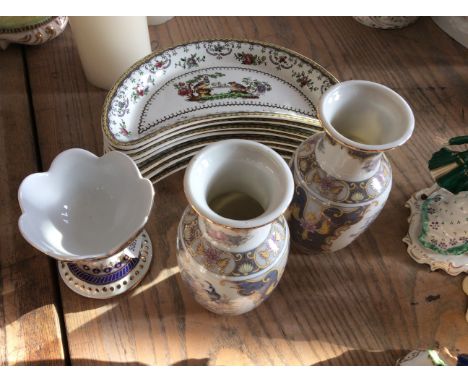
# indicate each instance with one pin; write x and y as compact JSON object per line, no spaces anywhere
{"x":342,"y":177}
{"x":231,"y":266}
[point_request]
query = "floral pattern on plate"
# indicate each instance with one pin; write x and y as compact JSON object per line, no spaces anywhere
{"x":208,"y":78}
{"x":452,"y":264}
{"x":445,"y":223}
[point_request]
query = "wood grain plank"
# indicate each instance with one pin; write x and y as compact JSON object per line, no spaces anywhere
{"x":366,"y":304}
{"x":29,"y":321}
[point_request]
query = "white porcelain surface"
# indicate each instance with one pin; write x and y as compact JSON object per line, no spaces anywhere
{"x":445,"y":222}
{"x":222,"y":279}
{"x":177,"y":143}
{"x":377,"y":115}
{"x":231,"y":266}
{"x":157,"y":167}
{"x":332,"y":206}
{"x":244,"y":166}
{"x":342,"y":178}
{"x":157,"y":157}
{"x":84,"y":207}
{"x":452,"y":264}
{"x":210,"y":78}
{"x":279,"y":125}
{"x":181,"y":165}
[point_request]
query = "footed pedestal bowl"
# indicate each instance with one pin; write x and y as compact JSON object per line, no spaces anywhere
{"x":89,"y":213}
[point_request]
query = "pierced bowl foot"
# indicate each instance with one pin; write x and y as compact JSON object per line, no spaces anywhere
{"x":111,"y":276}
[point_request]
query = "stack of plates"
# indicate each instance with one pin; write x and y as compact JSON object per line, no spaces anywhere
{"x":171,"y":104}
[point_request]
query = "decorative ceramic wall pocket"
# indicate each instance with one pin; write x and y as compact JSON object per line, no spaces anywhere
{"x":342,"y":177}
{"x":438,"y":223}
{"x":233,"y":241}
{"x":88,"y":213}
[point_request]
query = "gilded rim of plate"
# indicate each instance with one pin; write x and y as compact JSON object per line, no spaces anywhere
{"x":313,"y":124}
{"x":182,"y":164}
{"x":123,"y":77}
{"x":177,"y":156}
{"x":151,"y":165}
{"x":193,"y":136}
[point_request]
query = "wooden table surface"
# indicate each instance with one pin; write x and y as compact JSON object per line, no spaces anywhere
{"x":367,"y":304}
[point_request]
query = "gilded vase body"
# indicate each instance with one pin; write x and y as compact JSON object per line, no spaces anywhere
{"x":342,"y":176}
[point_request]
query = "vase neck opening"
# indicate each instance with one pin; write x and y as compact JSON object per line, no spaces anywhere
{"x":238,"y":184}
{"x":366,"y":116}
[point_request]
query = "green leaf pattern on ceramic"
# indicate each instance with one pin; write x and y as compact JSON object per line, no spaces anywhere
{"x":445,"y":223}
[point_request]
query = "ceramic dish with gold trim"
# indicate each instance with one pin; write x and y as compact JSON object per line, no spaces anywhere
{"x":423,"y":253}
{"x":214,"y":131}
{"x":277,"y":125}
{"x":30,"y":30}
{"x":182,"y":164}
{"x":154,"y":162}
{"x":211,"y":79}
{"x":157,"y":164}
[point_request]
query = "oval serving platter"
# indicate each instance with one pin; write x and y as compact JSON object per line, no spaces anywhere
{"x":209,"y":79}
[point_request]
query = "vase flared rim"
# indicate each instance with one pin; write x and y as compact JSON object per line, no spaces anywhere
{"x":360,"y":85}
{"x":199,"y":203}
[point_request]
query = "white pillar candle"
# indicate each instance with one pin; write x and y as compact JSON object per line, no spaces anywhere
{"x":109,"y":45}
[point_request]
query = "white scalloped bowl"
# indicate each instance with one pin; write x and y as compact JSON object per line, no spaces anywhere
{"x":85,"y":207}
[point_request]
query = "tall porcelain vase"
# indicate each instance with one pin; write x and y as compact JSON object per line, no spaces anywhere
{"x":231,"y":266}
{"x":342,"y":176}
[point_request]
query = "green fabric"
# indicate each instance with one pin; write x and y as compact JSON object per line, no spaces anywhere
{"x":461,"y":140}
{"x":456,"y":179}
{"x":18,"y":22}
